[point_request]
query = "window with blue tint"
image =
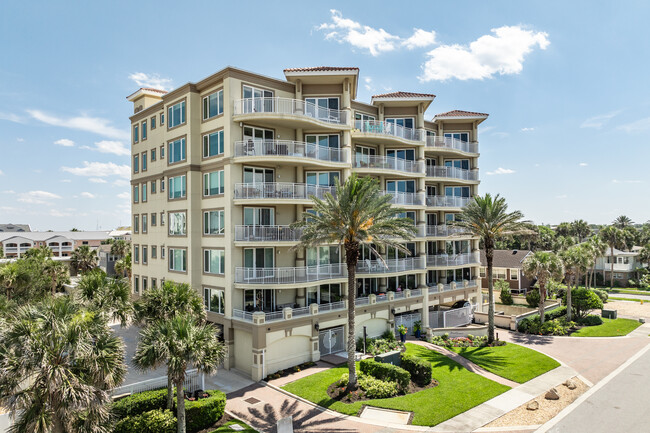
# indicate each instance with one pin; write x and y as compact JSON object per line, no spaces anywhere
{"x":213,"y":222}
{"x":322,"y":178}
{"x":457,"y":191}
{"x":405,"y":154}
{"x":175,"y":115}
{"x":136,"y":253}
{"x":177,"y":187}
{"x":153,"y":155}
{"x":144,"y":192}
{"x":136,"y":163}
{"x":462,"y":136}
{"x":214,"y":261}
{"x":406,"y":122}
{"x":144,"y":161}
{"x":400,"y":186}
{"x":213,"y":183}
{"x":177,"y":260}
{"x":136,"y":223}
{"x":176,"y":151}
{"x":213,"y":105}
{"x":162,"y":118}
{"x":213,"y":144}
{"x":144,"y":130}
{"x":153,"y":122}
{"x":136,"y":195}
{"x":136,"y":133}
{"x":457,"y":163}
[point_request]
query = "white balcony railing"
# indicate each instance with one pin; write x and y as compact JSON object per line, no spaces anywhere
{"x":289,"y":275}
{"x":451,"y":172}
{"x":447,"y":201}
{"x":434,"y":288}
{"x":391,"y":265}
{"x":388,"y":128}
{"x":280,"y":190}
{"x":294,"y":149}
{"x":453,"y":259}
{"x":406,"y":198}
{"x":389,"y":163}
{"x":295,"y":107}
{"x":267,"y":233}
{"x":444,"y":230}
{"x":452,"y":143}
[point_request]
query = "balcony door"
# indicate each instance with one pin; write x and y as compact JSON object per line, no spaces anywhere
{"x":258,"y":100}
{"x":432,"y":219}
{"x":259,"y":216}
{"x":403,"y":154}
{"x":462,"y":136}
{"x":394,"y":253}
{"x":363,"y":155}
{"x":256,"y":175}
{"x":258,"y":261}
{"x":259,"y":300}
{"x":457,"y":191}
{"x":457,"y":163}
{"x":319,"y":146}
{"x":322,"y":178}
{"x":319,"y":259}
{"x":400,"y":186}
{"x":320,"y":108}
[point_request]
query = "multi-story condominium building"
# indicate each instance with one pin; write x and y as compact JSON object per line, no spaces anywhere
{"x":222,"y":167}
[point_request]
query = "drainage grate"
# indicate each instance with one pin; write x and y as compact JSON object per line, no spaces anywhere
{"x":252,"y":400}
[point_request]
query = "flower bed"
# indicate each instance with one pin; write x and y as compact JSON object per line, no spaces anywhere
{"x":288,"y":371}
{"x":469,"y":341}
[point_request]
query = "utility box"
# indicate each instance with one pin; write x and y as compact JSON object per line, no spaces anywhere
{"x":389,"y":358}
{"x":609,"y":314}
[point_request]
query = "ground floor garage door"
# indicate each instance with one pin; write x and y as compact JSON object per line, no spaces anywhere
{"x":331,"y":340}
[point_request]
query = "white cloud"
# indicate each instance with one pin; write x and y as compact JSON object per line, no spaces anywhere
{"x":64,"y":142}
{"x":583,"y":164}
{"x":9,"y":191}
{"x":597,"y":122}
{"x":420,"y":39}
{"x":12,"y":117}
{"x":100,"y":169}
{"x":376,"y":41}
{"x":563,"y":196}
{"x":96,"y":125}
{"x":97,"y":180}
{"x":527,"y":129}
{"x":502,"y":53}
{"x":153,"y":81}
{"x":368,"y":85}
{"x":124,"y":195}
{"x":87,"y":195}
{"x":1,"y":173}
{"x":120,"y":182}
{"x":66,"y":180}
{"x":636,"y":126}
{"x":626,"y":181}
{"x":114,"y":147}
{"x":60,"y":214}
{"x":20,"y":139}
{"x":501,"y":170}
{"x":37,"y":197}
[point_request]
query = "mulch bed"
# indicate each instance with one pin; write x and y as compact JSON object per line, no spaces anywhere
{"x":288,"y":371}
{"x":340,"y":394}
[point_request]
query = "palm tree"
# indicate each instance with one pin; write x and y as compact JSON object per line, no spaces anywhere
{"x":120,"y":248}
{"x":57,"y":272}
{"x":644,"y":254}
{"x":597,"y":249}
{"x":41,"y":253}
{"x":12,"y":276}
{"x":488,"y":218}
{"x":563,"y":243}
{"x":574,"y":260}
{"x":84,"y":259}
{"x":58,"y":364}
{"x":110,"y":297}
{"x":163,"y":303}
{"x":581,"y":229}
{"x":612,"y":236}
{"x":123,"y":267}
{"x":544,"y":266}
{"x":622,"y":221}
{"x":179,"y":342}
{"x":359,"y":215}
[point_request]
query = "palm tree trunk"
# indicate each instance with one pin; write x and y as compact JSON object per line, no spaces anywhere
{"x":180,"y":406}
{"x":489,"y":256}
{"x":57,"y":425}
{"x":611,"y":274}
{"x":568,"y":302}
{"x":170,"y":392}
{"x":351,"y":257}
{"x":542,"y":298}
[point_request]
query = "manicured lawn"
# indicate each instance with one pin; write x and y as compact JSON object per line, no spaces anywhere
{"x":513,"y":362}
{"x":609,"y":328}
{"x":612,"y":298}
{"x":226,"y":428}
{"x":458,"y":391}
{"x":630,"y":292}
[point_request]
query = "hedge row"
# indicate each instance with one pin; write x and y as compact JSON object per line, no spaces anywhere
{"x":419,"y":369}
{"x":153,"y":421}
{"x":140,"y":402}
{"x":387,"y":372}
{"x":202,"y":413}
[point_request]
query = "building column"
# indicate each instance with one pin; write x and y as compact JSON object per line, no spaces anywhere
{"x":425,"y":308}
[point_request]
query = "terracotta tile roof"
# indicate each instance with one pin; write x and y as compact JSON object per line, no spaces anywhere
{"x":460,"y":113}
{"x":321,"y":69}
{"x":506,"y":258}
{"x":405,"y":95}
{"x":153,"y":90}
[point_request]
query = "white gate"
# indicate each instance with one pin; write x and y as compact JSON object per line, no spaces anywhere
{"x":451,"y":318}
{"x":331,"y":340}
{"x":407,"y":320}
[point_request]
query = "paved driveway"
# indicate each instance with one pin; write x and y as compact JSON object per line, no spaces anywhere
{"x":130,"y":336}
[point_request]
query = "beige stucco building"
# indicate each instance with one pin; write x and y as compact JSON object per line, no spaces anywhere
{"x":223,"y":166}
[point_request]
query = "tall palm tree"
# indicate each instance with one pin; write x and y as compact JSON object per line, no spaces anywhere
{"x":57,"y":272}
{"x":644,"y":254}
{"x":110,"y":297}
{"x":622,"y":221}
{"x":612,"y":236}
{"x":580,"y":229}
{"x":58,"y":364}
{"x":597,"y":249}
{"x":358,"y":215}
{"x":544,"y":266}
{"x":123,"y":267}
{"x":40,"y":253}
{"x":563,"y":243}
{"x":179,"y":342}
{"x":84,"y":259}
{"x":488,"y":218}
{"x":575,"y":260}
{"x":120,"y":248}
{"x":163,"y":303}
{"x":12,"y":276}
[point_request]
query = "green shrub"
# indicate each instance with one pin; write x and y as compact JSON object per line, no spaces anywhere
{"x":418,"y":368}
{"x":556,"y":327}
{"x":388,"y":335}
{"x":376,"y":388}
{"x":591,"y":320}
{"x":386,"y":372}
{"x":505,"y":296}
{"x":153,"y":421}
{"x":584,"y":300}
{"x":529,"y":325}
{"x":136,"y":404}
{"x":532,"y":298}
{"x":601,"y":294}
{"x":204,"y":412}
{"x":555,"y":314}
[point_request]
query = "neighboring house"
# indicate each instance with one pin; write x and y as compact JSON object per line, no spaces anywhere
{"x":5,"y":228}
{"x":507,"y":266}
{"x":625,"y":265}
{"x":106,"y":259}
{"x":222,"y":167}
{"x":61,"y":243}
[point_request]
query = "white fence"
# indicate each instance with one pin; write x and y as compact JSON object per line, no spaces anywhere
{"x":407,"y":320}
{"x":193,"y":381}
{"x":451,"y":318}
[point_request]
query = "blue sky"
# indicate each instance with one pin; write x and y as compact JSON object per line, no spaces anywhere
{"x":565,"y":83}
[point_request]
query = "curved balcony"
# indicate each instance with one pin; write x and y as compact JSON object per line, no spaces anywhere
{"x":444,"y":172}
{"x":456,"y":285}
{"x":290,"y":151}
{"x":289,"y":275}
{"x":267,"y":234}
{"x":292,"y":113}
{"x":444,"y":231}
{"x":447,"y":201}
{"x":406,"y":198}
{"x":451,"y":144}
{"x":391,"y":265}
{"x":373,"y":164}
{"x":378,"y":131}
{"x":282,"y":192}
{"x":453,"y":260}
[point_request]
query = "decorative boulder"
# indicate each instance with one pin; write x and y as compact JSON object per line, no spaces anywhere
{"x":570,"y":383}
{"x":552,"y":394}
{"x":533,"y":405}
